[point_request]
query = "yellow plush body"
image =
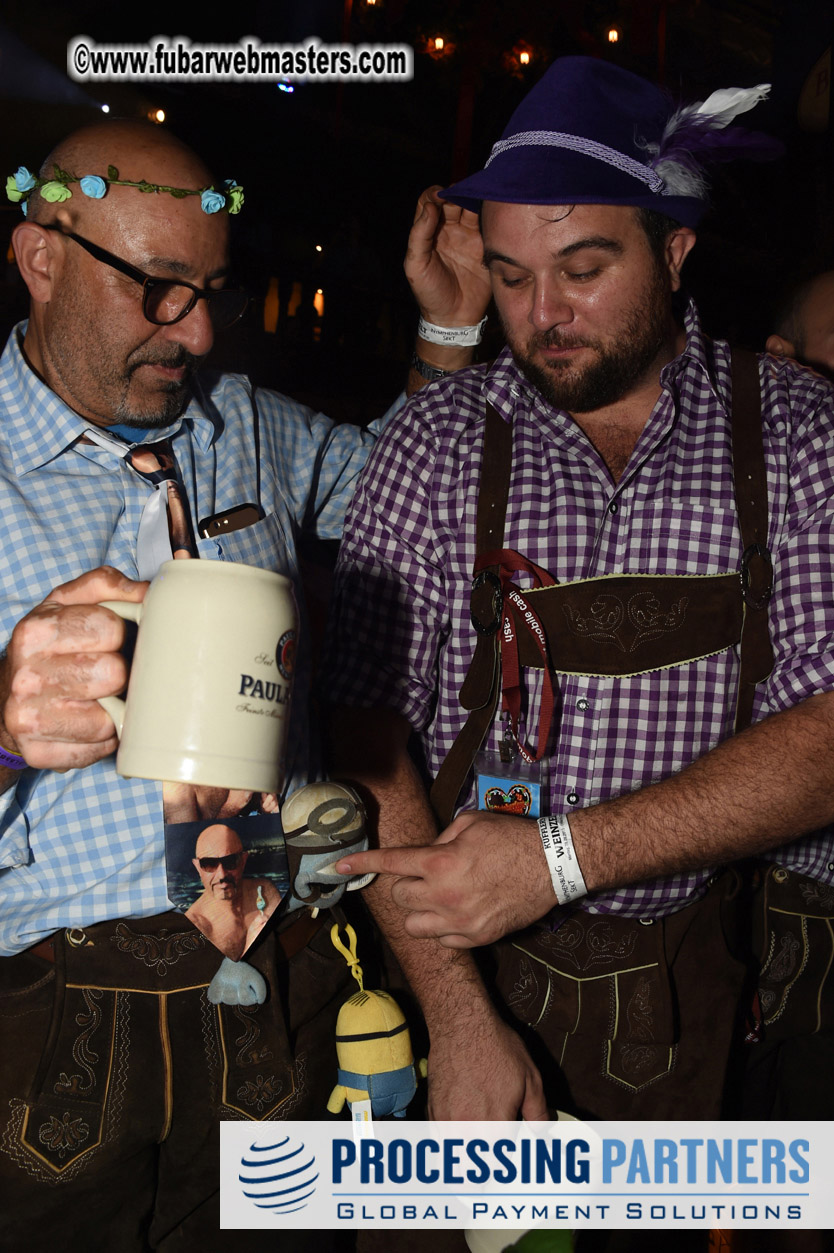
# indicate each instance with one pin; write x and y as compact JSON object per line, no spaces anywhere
{"x":373,"y":1048}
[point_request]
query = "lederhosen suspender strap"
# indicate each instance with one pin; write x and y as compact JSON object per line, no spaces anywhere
{"x":750,"y":484}
{"x":479,"y":693}
{"x":689,"y":616}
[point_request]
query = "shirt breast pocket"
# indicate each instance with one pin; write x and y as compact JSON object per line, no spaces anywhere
{"x":688,"y":537}
{"x":266,"y":544}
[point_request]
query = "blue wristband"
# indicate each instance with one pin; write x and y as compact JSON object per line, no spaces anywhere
{"x":11,"y":760}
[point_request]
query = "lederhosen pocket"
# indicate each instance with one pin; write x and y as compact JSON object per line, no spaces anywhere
{"x":133,"y":1038}
{"x":795,"y":939}
{"x":596,"y":978}
{"x":605,"y":993}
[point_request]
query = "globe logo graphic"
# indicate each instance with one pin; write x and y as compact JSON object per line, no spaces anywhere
{"x":278,"y":1176}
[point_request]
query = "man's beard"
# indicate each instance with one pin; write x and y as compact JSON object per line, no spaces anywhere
{"x":617,"y":367}
{"x":172,"y":396}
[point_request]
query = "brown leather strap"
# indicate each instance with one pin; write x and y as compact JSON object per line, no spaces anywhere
{"x":756,"y":653}
{"x":44,"y":949}
{"x":480,"y":689}
{"x":300,"y":932}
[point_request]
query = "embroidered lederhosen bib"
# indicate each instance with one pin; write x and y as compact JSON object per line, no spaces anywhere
{"x":618,"y":624}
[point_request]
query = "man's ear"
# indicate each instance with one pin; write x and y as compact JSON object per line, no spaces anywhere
{"x":38,"y":259}
{"x":780,"y":347}
{"x":678,"y":246}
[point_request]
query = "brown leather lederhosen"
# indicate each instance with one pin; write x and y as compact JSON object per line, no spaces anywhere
{"x":622,"y":624}
{"x":616,"y":1004}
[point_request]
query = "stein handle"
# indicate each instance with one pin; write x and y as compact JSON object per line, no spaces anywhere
{"x":114,"y":705}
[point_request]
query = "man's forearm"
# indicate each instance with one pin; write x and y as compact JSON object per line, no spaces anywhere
{"x":370,"y":752}
{"x":751,"y":794}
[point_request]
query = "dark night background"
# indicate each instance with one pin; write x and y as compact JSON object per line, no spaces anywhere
{"x":341,"y":166}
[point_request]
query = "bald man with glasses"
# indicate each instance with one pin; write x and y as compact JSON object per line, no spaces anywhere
{"x":117,"y":1062}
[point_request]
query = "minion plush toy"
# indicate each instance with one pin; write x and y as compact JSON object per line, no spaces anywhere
{"x":373,"y":1047}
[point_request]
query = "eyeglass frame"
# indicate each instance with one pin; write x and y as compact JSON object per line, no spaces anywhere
{"x":148,"y":281}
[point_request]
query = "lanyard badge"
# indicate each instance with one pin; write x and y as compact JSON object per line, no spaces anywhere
{"x":511,"y":781}
{"x":507,"y":784}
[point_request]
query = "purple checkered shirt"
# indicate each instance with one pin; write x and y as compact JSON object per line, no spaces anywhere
{"x":402,"y":636}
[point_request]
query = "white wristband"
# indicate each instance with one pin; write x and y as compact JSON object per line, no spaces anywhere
{"x":450,"y":336}
{"x":562,"y":862}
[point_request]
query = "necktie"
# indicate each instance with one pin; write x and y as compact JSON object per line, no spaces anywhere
{"x":156,"y":542}
{"x":165,"y":528}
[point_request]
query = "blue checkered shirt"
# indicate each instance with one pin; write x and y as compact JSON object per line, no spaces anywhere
{"x":85,"y":846}
{"x":402,"y":636}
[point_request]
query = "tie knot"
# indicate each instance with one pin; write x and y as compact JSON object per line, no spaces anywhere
{"x":155,"y":462}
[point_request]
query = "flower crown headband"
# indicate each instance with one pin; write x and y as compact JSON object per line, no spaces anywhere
{"x":19,"y":187}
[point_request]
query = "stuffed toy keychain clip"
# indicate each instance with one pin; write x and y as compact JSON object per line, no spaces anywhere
{"x":377,"y":1074}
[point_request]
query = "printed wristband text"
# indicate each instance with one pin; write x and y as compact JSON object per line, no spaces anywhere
{"x":565,"y":875}
{"x":451,"y":336}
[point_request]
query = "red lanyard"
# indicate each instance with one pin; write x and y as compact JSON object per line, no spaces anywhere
{"x":508,"y":562}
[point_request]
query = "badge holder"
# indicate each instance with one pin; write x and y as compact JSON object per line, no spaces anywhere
{"x":507,"y":784}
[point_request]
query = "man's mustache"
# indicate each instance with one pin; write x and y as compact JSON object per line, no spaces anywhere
{"x":555,"y":339}
{"x":174,"y":359}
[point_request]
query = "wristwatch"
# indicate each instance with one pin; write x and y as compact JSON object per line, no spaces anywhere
{"x":426,"y":371}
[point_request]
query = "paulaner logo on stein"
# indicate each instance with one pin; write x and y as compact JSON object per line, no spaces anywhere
{"x":209,"y":694}
{"x":260,"y":689}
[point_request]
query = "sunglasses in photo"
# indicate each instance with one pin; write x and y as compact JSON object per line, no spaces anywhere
{"x":229,"y":862}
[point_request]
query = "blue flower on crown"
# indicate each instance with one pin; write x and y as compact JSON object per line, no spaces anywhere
{"x":24,"y":181}
{"x":212,"y":201}
{"x":93,"y":186}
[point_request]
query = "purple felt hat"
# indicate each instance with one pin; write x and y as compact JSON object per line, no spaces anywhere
{"x":590,"y":132}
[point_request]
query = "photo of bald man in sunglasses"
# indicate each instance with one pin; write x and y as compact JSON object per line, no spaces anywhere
{"x":231,"y":910}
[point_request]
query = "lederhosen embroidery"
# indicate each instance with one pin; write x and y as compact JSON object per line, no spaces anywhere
{"x":621,"y":624}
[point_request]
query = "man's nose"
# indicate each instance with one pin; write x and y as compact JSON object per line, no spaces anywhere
{"x":195,"y":331}
{"x":549,"y":306}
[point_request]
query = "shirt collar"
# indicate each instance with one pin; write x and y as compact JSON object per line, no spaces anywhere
{"x":39,"y":426}
{"x":700,"y":354}
{"x":505,"y":382}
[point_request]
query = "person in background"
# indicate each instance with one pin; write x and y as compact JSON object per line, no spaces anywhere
{"x":805,"y":324}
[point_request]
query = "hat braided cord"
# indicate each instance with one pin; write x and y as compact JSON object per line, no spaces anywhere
{"x":588,"y":148}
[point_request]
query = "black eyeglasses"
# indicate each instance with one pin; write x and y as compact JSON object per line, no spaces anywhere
{"x":164,"y":300}
{"x":229,"y":862}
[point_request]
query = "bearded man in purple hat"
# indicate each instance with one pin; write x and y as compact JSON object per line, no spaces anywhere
{"x":593,"y":580}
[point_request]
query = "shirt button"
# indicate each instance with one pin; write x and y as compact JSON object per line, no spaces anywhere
{"x":613,"y":507}
{"x":831,"y":865}
{"x":514,"y":390}
{"x":572,"y":798}
{"x":583,"y":703}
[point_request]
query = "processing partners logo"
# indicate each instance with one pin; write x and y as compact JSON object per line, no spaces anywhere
{"x":512,"y":1176}
{"x":278,"y":1175}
